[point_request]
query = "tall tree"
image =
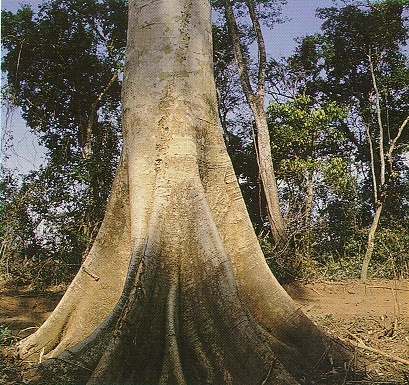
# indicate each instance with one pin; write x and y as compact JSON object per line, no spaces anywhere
{"x":309,"y":152}
{"x":384,"y":178}
{"x":198,"y":303}
{"x":313,"y":160}
{"x":256,"y":99}
{"x":62,"y":66}
{"x":367,"y":69}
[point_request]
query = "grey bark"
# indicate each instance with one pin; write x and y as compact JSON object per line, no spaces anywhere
{"x":262,"y":141}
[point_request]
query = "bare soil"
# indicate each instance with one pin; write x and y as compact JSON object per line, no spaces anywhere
{"x":372,"y":316}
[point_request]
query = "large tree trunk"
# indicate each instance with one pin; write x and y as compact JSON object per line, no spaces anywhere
{"x":199,"y":304}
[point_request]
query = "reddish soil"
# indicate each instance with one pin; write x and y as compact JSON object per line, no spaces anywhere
{"x":23,"y":311}
{"x":374,"y":315}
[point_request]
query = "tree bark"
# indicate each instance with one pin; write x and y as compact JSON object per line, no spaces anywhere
{"x":262,"y":135}
{"x":371,"y":242}
{"x":378,"y":119}
{"x":199,"y":304}
{"x":308,"y":214}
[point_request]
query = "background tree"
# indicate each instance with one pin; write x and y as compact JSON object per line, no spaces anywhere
{"x":383,"y":159}
{"x":256,"y":98}
{"x":367,"y":69}
{"x":334,"y":67}
{"x":17,"y":231}
{"x":63,"y":67}
{"x":314,"y":167}
{"x":310,"y":153}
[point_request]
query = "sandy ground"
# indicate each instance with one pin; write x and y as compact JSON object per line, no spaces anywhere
{"x":374,"y":316}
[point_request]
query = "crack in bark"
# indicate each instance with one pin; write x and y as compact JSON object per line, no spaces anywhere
{"x":95,"y":277}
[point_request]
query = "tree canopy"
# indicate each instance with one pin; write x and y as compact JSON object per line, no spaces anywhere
{"x":63,"y":69}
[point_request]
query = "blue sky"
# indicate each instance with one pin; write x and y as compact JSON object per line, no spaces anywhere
{"x":26,"y":154}
{"x":280,"y":41}
{"x":302,"y":21}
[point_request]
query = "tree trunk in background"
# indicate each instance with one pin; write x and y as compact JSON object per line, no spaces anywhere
{"x":267,"y":175}
{"x":307,"y":214}
{"x":371,"y":242}
{"x":262,"y":136}
{"x":199,"y":304}
{"x":380,"y":189}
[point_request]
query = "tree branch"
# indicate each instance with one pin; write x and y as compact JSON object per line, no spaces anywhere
{"x":261,"y":47}
{"x":238,"y":53}
{"x":375,"y":185}
{"x":90,"y":123}
{"x":360,"y":344}
{"x":379,"y":118}
{"x":393,"y":144}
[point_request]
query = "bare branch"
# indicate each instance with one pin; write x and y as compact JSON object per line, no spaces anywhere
{"x":360,"y":344}
{"x":379,"y":118}
{"x":395,"y":140}
{"x":238,"y":53}
{"x":88,"y":149}
{"x":261,"y":47}
{"x":375,"y":184}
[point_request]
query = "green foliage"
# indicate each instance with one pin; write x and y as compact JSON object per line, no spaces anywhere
{"x":350,"y":35}
{"x":34,"y":249}
{"x":63,"y":69}
{"x":316,"y":181}
{"x":302,"y":130}
{"x":359,"y":44}
{"x":337,"y":270}
{"x":334,"y":67}
{"x":390,"y":258}
{"x":309,"y":148}
{"x":5,"y":334}
{"x":17,"y":226}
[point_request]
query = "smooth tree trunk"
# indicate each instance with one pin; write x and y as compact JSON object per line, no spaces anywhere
{"x":268,"y":179}
{"x":255,"y":100}
{"x":307,"y":238}
{"x":176,"y":289}
{"x":371,"y":242}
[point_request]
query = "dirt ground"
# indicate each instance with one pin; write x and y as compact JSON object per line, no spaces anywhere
{"x":372,"y":316}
